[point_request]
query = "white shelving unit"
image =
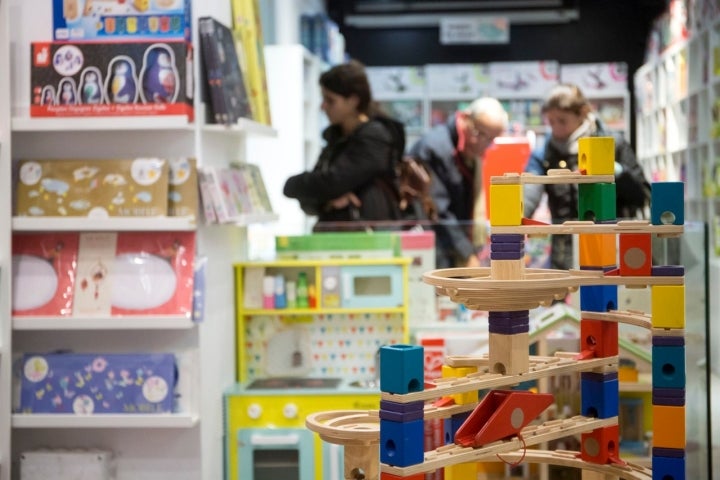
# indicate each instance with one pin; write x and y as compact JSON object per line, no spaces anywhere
{"x":292,"y":77}
{"x":185,"y":445}
{"x":678,"y":134}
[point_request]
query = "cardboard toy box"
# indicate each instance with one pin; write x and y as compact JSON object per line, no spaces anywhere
{"x":183,"y":188}
{"x":111,"y":79}
{"x":92,"y":188}
{"x":86,"y":384}
{"x":66,"y":464}
{"x":121,"y":19}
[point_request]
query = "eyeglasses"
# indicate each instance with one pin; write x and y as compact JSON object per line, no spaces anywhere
{"x":481,"y":133}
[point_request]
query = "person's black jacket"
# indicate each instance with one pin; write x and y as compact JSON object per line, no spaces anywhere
{"x":351,"y":164}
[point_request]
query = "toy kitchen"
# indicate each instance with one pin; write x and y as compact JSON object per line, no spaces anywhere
{"x":308,"y":337}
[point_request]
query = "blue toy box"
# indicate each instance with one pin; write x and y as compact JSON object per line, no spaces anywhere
{"x":87,"y":384}
{"x":121,"y":19}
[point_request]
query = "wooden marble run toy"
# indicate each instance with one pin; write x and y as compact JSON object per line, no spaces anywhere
{"x":612,"y":253}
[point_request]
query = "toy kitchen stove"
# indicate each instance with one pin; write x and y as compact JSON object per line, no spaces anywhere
{"x":265,"y":425}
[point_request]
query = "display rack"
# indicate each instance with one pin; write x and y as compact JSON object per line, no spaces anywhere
{"x":184,"y":445}
{"x":678,"y":130}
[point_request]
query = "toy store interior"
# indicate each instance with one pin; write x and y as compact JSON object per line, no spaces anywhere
{"x":181,"y":297}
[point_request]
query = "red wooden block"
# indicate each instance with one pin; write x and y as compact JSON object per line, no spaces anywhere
{"x":635,"y":254}
{"x":602,"y":445}
{"x":598,"y":338}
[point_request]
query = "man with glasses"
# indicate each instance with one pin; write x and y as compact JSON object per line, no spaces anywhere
{"x":453,"y":153}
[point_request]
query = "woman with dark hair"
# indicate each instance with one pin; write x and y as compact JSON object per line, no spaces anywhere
{"x":570,"y":117}
{"x":362,"y":145}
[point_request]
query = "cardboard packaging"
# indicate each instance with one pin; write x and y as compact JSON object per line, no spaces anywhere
{"x":121,"y":19}
{"x":93,"y":188}
{"x":84,"y":79}
{"x":183,"y":188}
{"x":65,"y":464}
{"x":88,"y":384}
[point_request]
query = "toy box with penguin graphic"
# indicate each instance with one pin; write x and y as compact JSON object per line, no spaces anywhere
{"x":111,"y":79}
{"x":121,"y":19}
{"x":86,"y":384}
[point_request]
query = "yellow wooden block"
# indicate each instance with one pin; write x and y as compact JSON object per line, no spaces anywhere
{"x":461,"y":471}
{"x":509,"y":354}
{"x":598,"y":249}
{"x":668,"y":306}
{"x":596,"y":155}
{"x":458,"y":372}
{"x":668,"y":426}
{"x":506,"y":205}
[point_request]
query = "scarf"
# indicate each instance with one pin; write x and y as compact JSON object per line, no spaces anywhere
{"x":570,"y":146}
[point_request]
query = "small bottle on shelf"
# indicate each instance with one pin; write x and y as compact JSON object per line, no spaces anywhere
{"x":302,"y":290}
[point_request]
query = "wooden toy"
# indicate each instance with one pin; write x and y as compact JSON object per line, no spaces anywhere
{"x":500,"y":424}
{"x":596,"y":202}
{"x":667,"y":206}
{"x":596,"y":155}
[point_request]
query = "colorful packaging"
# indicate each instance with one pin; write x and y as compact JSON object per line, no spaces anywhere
{"x":92,"y":188}
{"x":134,"y":273}
{"x":89,"y":79}
{"x":121,"y":19}
{"x":43,"y":273}
{"x":88,"y":384}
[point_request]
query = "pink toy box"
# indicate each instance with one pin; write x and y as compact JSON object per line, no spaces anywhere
{"x":88,"y":383}
{"x":135,"y":273}
{"x":121,"y":19}
{"x":43,"y":273}
{"x":102,"y":274}
{"x":109,"y":79}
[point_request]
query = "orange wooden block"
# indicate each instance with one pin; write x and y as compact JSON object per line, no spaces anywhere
{"x":597,"y":250}
{"x":668,"y":426}
{"x":635,"y":254}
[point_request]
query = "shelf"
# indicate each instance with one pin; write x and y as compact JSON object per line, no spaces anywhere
{"x":319,"y":311}
{"x":119,"y":420}
{"x":62,"y":124}
{"x":34,"y":224}
{"x":250,"y":218}
{"x":244,"y":126}
{"x":175,"y":322}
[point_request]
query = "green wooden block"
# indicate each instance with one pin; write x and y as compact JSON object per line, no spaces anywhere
{"x":596,"y":201}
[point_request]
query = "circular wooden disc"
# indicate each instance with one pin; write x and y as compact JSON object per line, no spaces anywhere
{"x":346,"y":427}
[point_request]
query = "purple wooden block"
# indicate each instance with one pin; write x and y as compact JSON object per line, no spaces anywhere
{"x":668,"y":396}
{"x":507,"y":247}
{"x":400,"y":416}
{"x":668,"y":271}
{"x":506,"y":255}
{"x":514,"y":314}
{"x":668,"y":341}
{"x":668,"y":452}
{"x":508,"y":330}
{"x":508,"y":323}
{"x":402,"y":407}
{"x":507,"y":238}
{"x":599,"y":377}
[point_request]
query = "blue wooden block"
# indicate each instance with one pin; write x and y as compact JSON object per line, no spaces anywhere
{"x":401,"y":443}
{"x":668,"y":367}
{"x":598,"y":298}
{"x":452,"y":425}
{"x":668,"y":468}
{"x":599,"y":398}
{"x":402,"y":368}
{"x":667,"y":203}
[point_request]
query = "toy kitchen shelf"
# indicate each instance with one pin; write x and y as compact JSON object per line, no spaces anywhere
{"x":350,"y":295}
